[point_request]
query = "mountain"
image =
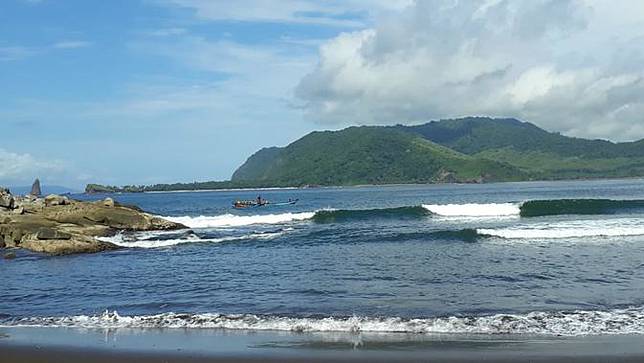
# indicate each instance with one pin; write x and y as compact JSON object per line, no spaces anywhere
{"x":368,"y":155}
{"x":455,"y":150}
{"x":543,"y":154}
{"x":471,"y":149}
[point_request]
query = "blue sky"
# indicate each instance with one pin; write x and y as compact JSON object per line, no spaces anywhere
{"x":148,"y":91}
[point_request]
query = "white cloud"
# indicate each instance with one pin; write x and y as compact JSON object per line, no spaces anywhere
{"x":346,"y":13}
{"x":570,"y":66}
{"x":16,"y":53}
{"x":22,"y":168}
{"x":167,"y":32}
{"x":71,"y":44}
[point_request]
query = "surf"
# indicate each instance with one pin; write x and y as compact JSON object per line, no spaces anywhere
{"x":549,"y":323}
{"x":231,"y":220}
{"x":621,"y":227}
{"x":157,"y":240}
{"x":527,"y":209}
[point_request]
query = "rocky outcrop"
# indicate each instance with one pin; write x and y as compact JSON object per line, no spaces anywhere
{"x":59,"y":225}
{"x":35,"y":188}
{"x":6,"y":199}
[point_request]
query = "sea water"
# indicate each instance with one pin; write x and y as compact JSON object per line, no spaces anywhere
{"x":544,"y":258}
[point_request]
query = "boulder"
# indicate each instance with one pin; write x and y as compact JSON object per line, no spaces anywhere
{"x":50,"y":233}
{"x":58,"y":225}
{"x":75,"y":244}
{"x":54,"y":200}
{"x":6,"y":199}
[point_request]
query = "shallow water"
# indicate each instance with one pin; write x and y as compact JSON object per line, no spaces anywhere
{"x":419,"y":259}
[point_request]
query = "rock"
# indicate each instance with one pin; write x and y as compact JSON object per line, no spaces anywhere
{"x":446,"y":177}
{"x":58,"y":225}
{"x":6,"y":199}
{"x":35,"y":188}
{"x":50,"y":233}
{"x":9,"y":256}
{"x":54,"y":200}
{"x":76,"y":244}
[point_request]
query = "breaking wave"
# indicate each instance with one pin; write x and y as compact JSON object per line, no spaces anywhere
{"x":533,"y":208}
{"x":570,"y":229}
{"x":567,"y":323}
{"x":474,"y":210}
{"x":139,"y":241}
{"x":231,"y":220}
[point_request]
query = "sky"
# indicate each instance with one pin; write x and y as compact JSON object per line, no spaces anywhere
{"x":160,"y":91}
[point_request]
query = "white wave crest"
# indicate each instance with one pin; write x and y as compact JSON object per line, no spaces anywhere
{"x":143,"y":242}
{"x":571,"y":229}
{"x":474,"y":210}
{"x":573,"y":323}
{"x":231,"y":220}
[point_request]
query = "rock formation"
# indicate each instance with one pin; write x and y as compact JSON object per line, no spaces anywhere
{"x":59,"y":225}
{"x":6,"y":199}
{"x":35,"y":188}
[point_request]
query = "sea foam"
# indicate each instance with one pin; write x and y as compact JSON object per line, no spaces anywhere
{"x":149,"y":242}
{"x":566,"y":323}
{"x":231,"y":220}
{"x":570,"y":229}
{"x":474,"y":210}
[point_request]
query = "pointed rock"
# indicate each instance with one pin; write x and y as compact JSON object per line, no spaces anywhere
{"x":35,"y":188}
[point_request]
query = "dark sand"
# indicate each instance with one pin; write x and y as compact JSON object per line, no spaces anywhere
{"x":32,"y":345}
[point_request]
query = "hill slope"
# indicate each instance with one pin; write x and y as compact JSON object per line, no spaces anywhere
{"x":368,"y":155}
{"x":543,"y":154}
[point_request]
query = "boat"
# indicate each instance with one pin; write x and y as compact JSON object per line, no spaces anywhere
{"x":239,"y":204}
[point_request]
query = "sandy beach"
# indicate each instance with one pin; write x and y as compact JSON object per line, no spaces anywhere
{"x":33,"y":345}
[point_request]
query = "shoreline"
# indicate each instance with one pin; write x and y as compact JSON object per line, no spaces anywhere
{"x":32,"y":345}
{"x":365,"y":186}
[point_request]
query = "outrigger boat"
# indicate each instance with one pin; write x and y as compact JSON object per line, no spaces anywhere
{"x":254,"y":203}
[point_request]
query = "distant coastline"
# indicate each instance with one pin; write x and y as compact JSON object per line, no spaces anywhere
{"x":470,"y":150}
{"x":360,"y":186}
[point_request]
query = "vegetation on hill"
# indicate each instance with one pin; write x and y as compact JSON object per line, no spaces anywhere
{"x":472,"y":149}
{"x":369,"y":155}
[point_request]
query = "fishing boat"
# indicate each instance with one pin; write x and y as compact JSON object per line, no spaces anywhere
{"x":240,"y":204}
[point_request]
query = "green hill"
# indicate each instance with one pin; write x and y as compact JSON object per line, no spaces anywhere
{"x":542,"y":154}
{"x":472,"y":149}
{"x":368,"y":155}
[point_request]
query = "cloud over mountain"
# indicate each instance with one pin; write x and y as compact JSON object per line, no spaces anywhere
{"x":572,"y":66}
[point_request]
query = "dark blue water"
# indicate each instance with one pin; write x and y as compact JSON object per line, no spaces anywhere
{"x":479,"y":267}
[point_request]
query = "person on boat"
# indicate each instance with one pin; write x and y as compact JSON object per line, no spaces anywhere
{"x":259,"y":200}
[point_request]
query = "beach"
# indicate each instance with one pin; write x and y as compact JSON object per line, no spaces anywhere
{"x":33,"y":345}
{"x":534,"y":272}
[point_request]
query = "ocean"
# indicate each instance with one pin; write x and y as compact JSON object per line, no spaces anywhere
{"x":537,"y":258}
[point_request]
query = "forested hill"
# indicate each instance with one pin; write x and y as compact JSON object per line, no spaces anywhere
{"x":455,"y":150}
{"x":369,"y":155}
{"x":472,"y":149}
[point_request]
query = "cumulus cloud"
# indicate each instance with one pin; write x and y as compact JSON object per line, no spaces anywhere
{"x":571,"y":66}
{"x":21,"y":168}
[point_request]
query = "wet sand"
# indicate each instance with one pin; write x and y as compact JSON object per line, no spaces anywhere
{"x":31,"y":345}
